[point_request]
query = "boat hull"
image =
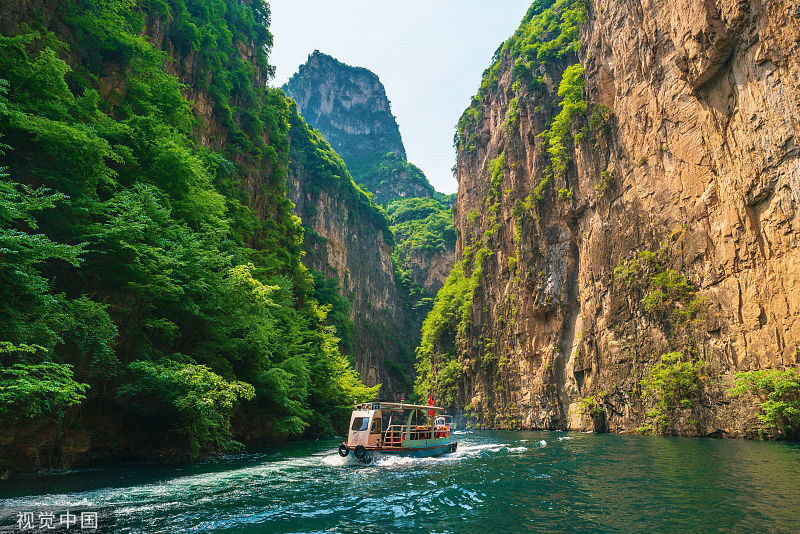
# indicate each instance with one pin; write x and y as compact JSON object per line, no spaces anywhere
{"x":412,"y":452}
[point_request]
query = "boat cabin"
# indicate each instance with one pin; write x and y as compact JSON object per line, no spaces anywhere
{"x":380,"y":425}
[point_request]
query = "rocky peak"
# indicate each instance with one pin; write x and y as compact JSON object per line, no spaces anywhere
{"x":349,"y":106}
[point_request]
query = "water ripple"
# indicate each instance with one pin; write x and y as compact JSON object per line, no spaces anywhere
{"x":495,"y":481}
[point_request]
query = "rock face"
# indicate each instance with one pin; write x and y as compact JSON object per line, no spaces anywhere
{"x":429,"y":268}
{"x":684,"y":176}
{"x":348,"y":238}
{"x":348,"y":105}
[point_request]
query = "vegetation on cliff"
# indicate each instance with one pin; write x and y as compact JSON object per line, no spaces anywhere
{"x":438,"y":366}
{"x":137,"y":277}
{"x":778,"y":393}
{"x":421,"y":227}
{"x":664,"y":293}
{"x":669,"y":301}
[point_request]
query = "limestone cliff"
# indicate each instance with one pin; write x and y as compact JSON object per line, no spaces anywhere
{"x":429,"y":268}
{"x":640,"y":202}
{"x":349,"y":106}
{"x":348,"y":238}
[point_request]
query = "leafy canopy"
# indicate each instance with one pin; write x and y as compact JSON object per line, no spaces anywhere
{"x":139,"y":274}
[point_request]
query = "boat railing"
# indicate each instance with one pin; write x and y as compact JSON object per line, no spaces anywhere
{"x":394,"y":434}
{"x":393,"y":437}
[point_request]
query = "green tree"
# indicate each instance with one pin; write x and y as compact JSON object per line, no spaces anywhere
{"x":29,"y":391}
{"x":674,"y":383}
{"x":135,"y":264}
{"x":778,"y":392}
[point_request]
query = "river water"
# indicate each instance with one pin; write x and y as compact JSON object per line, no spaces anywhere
{"x":495,"y":482}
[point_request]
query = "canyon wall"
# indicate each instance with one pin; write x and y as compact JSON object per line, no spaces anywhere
{"x":627,"y":190}
{"x":385,"y":272}
{"x":348,"y":238}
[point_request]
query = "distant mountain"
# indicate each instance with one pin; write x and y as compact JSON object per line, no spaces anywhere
{"x":349,"y":106}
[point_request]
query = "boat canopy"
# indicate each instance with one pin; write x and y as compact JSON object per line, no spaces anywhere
{"x":396,"y":406}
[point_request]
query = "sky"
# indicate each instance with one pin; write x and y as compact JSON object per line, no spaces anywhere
{"x":430,"y":56}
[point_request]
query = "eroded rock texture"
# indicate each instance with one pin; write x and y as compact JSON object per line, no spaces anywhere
{"x":698,"y":158}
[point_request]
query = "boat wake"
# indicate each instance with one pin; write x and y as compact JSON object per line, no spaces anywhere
{"x":465,"y":451}
{"x":335,"y":460}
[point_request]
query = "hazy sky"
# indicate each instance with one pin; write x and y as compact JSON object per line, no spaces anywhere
{"x":430,"y":55}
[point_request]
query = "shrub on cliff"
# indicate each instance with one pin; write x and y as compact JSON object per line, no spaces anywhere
{"x":673,"y":384}
{"x":778,"y":392}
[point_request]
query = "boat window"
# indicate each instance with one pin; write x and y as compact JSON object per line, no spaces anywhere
{"x":360,"y":423}
{"x":376,"y":426}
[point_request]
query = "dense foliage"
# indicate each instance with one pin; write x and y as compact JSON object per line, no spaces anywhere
{"x":421,"y":224}
{"x":388,"y":175}
{"x":673,"y":384}
{"x":778,"y":392}
{"x":136,"y":276}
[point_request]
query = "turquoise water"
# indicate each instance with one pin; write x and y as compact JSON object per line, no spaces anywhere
{"x":496,"y":482}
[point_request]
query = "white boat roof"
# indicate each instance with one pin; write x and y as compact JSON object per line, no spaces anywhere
{"x":396,"y":406}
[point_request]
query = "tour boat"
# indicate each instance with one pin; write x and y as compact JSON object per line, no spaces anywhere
{"x":396,"y":429}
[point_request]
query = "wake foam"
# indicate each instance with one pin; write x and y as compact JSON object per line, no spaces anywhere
{"x":464,"y":451}
{"x":335,"y":460}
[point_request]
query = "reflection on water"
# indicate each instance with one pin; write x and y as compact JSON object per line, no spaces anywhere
{"x":496,"y":481}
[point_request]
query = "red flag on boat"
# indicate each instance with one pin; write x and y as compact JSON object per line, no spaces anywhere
{"x":430,"y":403}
